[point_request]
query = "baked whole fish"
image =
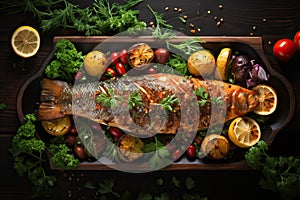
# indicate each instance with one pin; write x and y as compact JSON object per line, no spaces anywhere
{"x":160,"y":103}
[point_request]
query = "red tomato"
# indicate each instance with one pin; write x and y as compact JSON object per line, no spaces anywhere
{"x":191,"y":152}
{"x":297,"y":40}
{"x":110,"y":72}
{"x":284,"y":49}
{"x":120,"y":68}
{"x":115,"y":133}
{"x":73,"y":130}
{"x":176,"y":155}
{"x":78,"y":75}
{"x":152,"y":71}
{"x":123,"y":56}
{"x":114,"y":58}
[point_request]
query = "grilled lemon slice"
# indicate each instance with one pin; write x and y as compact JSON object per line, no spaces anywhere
{"x":140,"y":55}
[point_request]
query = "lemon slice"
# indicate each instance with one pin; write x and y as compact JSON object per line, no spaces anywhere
{"x":130,"y":148}
{"x":222,"y":62}
{"x":25,"y":41}
{"x":140,"y":55}
{"x":244,"y":132}
{"x":57,"y":127}
{"x":215,"y":146}
{"x":267,"y":100}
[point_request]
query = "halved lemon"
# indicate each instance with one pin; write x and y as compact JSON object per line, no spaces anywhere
{"x":244,"y":132}
{"x":222,"y":62}
{"x":57,"y":127}
{"x":267,"y":100}
{"x":25,"y":41}
{"x":215,"y":146}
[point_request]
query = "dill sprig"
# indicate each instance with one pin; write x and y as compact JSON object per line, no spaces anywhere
{"x":187,"y":47}
{"x":161,"y":29}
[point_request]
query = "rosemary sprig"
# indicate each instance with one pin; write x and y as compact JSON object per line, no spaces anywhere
{"x":168,"y":101}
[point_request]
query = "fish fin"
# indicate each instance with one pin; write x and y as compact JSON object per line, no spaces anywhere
{"x":56,"y":98}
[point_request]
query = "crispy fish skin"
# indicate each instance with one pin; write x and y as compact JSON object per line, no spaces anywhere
{"x":59,"y":99}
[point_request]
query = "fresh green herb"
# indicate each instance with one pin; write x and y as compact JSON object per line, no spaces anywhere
{"x":189,"y":183}
{"x":179,"y":64}
{"x":217,"y":100}
{"x":182,"y":19}
{"x":27,"y":153}
{"x":161,"y":29}
{"x":67,"y":61}
{"x":187,"y":47}
{"x":2,"y":106}
{"x":279,"y":174}
{"x":62,"y":157}
{"x":160,"y":152}
{"x":103,"y":17}
{"x":106,"y":187}
{"x":109,"y":100}
{"x":135,"y":99}
{"x":200,"y":92}
{"x":175,"y":181}
{"x":111,"y":152}
{"x":169,"y":101}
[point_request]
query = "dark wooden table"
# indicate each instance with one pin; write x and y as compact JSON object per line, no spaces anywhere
{"x":271,"y":19}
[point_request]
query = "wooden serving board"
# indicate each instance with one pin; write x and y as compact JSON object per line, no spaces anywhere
{"x":28,"y":95}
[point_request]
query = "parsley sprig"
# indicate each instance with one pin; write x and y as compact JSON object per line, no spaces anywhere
{"x":159,"y":150}
{"x":109,"y":100}
{"x":204,"y":97}
{"x":27,"y":152}
{"x":279,"y":174}
{"x":135,"y":99}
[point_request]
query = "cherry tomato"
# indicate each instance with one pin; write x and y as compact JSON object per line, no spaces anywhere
{"x":191,"y":152}
{"x":114,"y":58}
{"x":120,"y":68}
{"x":80,"y":151}
{"x":284,"y":49}
{"x":297,"y":40}
{"x":152,"y":71}
{"x":110,"y":72}
{"x":73,"y":130}
{"x":78,"y":75}
{"x":115,"y":133}
{"x":123,"y":56}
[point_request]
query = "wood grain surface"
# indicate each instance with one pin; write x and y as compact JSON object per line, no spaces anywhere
{"x":269,"y":19}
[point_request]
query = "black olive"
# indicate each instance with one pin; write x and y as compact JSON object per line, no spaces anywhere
{"x":240,"y":61}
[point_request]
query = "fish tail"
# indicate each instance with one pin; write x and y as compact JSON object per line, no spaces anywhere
{"x":55,"y":100}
